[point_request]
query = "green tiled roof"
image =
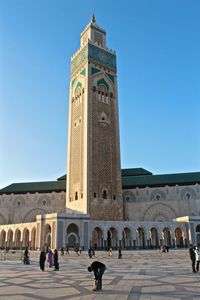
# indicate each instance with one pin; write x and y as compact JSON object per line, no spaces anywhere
{"x":33,"y":187}
{"x":135,"y":172}
{"x":125,"y":172}
{"x":160,"y":180}
{"x":64,"y":177}
{"x":131,"y":178}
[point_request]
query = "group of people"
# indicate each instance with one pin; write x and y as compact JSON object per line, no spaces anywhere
{"x":52,"y":259}
{"x":194,"y":252}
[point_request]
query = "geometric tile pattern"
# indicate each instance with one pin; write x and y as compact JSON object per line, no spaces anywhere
{"x":139,"y":275}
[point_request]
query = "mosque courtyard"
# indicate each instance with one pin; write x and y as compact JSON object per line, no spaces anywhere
{"x":139,"y":275}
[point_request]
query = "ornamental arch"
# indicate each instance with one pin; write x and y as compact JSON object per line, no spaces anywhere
{"x":47,"y":235}
{"x":112,"y":237}
{"x":140,"y":238}
{"x":179,"y":237}
{"x":166,"y":237}
{"x":25,"y":238}
{"x":198,"y":234}
{"x":2,"y":239}
{"x":17,"y":239}
{"x":72,"y":235}
{"x":97,"y":238}
{"x":126,"y":237}
{"x":159,"y":212}
{"x":31,"y":215}
{"x":10,"y":238}
{"x":154,"y":239}
{"x":33,"y":239}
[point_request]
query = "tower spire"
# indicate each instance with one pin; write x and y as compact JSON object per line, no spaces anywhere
{"x":93,"y":19}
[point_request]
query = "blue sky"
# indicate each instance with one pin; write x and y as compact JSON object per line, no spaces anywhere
{"x":158,"y":59}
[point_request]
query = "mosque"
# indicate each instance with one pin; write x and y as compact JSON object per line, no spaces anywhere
{"x":97,"y":203}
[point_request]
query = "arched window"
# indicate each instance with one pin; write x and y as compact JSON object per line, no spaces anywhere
{"x":104,"y":195}
{"x":76,"y":196}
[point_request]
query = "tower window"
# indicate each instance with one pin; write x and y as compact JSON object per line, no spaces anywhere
{"x":95,"y":195}
{"x":76,"y":196}
{"x":104,"y":194}
{"x":114,"y":197}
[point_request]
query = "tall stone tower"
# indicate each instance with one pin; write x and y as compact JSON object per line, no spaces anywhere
{"x":94,"y":172}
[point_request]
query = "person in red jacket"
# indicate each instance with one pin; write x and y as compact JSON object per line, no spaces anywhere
{"x":98,"y":268}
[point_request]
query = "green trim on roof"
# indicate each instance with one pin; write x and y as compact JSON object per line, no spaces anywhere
{"x":33,"y":187}
{"x":131,"y":178}
{"x":64,"y":177}
{"x":135,"y":172}
{"x":160,"y":180}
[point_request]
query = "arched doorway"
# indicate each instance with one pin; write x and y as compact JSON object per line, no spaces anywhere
{"x":97,"y":238}
{"x":72,"y":236}
{"x":10,"y":239}
{"x":2,"y":239}
{"x":17,"y":239}
{"x":154,"y":241}
{"x":112,"y":238}
{"x":140,"y":240}
{"x":166,"y":237}
{"x":33,"y":238}
{"x":198,"y":234}
{"x":126,"y":238}
{"x":47,"y":235}
{"x":25,"y":238}
{"x":179,"y":237}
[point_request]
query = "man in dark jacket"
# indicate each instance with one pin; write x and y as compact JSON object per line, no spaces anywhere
{"x":192,"y":257}
{"x":98,"y":268}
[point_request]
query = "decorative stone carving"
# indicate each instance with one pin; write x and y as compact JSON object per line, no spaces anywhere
{"x":19,"y":201}
{"x":157,"y":195}
{"x":159,"y":212}
{"x":129,"y":197}
{"x":188,"y":193}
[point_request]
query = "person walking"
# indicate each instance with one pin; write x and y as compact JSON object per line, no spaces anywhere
{"x":197,"y":257}
{"x":42,"y":260}
{"x":192,"y":257}
{"x":110,"y":252}
{"x":98,"y":268}
{"x":55,"y":259}
{"x":26,"y":257}
{"x":119,"y":253}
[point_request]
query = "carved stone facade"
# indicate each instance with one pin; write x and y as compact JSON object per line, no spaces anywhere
{"x":94,"y":172}
{"x":161,"y":203}
{"x":23,"y":208}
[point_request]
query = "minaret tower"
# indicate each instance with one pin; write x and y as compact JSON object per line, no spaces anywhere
{"x":94,"y":172}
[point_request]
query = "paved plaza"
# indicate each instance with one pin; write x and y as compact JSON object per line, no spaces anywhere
{"x":138,"y":275}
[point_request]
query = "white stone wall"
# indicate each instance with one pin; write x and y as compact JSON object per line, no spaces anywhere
{"x":161,"y":203}
{"x":22,"y":208}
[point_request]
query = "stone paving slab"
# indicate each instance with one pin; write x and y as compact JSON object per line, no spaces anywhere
{"x":139,"y":275}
